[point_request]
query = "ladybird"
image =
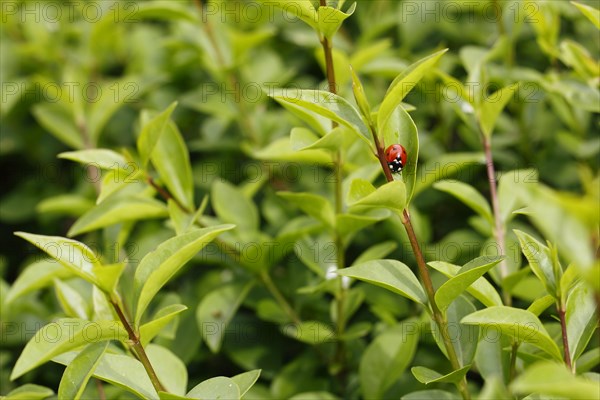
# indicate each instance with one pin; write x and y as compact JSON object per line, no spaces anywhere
{"x":395,"y":156}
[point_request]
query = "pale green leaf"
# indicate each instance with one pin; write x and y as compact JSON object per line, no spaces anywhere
{"x":465,"y":277}
{"x":216,"y":388}
{"x":246,"y":380}
{"x":481,"y":289}
{"x":311,"y":332}
{"x":80,"y":370}
{"x":70,"y":300}
{"x":326,"y":104}
{"x":29,"y":391}
{"x":391,"y":195}
{"x":171,"y":159}
{"x":171,"y":371}
{"x":330,"y":19}
{"x":36,"y":276}
{"x":489,"y":110}
{"x":117,"y":210}
{"x":281,"y":150}
{"x":312,"y":204}
{"x":100,"y":158}
{"x":385,"y":359}
{"x":467,"y":195}
{"x":427,"y":376}
{"x":59,"y":121}
{"x":61,"y":336}
{"x":522,"y":325}
{"x":303,"y":9}
{"x":593,"y":14}
{"x":216,"y":310}
{"x":231,"y":206}
{"x":389,"y":274}
{"x":159,"y":266}
{"x":161,"y":319}
{"x":552,"y":379}
{"x":403,"y":84}
{"x":151,"y":132}
{"x":581,"y":319}
{"x":540,"y":260}
{"x":78,"y":258}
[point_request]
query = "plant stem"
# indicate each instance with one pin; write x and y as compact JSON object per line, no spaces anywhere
{"x":498,"y":225}
{"x":268,"y":282}
{"x":438,"y":316}
{"x":137,"y":347}
{"x":166,"y":195}
{"x":340,"y":355}
{"x":513,"y":362}
{"x":565,"y":338}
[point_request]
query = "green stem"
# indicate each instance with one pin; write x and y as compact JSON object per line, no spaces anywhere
{"x":499,"y":230}
{"x":137,"y":347}
{"x":268,"y":282}
{"x":563,"y":326}
{"x":513,"y":362}
{"x":340,"y":355}
{"x":438,"y":316}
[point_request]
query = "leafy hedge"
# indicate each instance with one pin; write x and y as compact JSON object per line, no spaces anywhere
{"x":208,"y":189}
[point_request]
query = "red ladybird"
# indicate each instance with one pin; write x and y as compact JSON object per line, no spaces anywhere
{"x":395,"y":156}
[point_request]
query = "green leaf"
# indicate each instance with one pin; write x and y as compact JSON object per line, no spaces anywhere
{"x":481,"y":289}
{"x":36,"y":276}
{"x":120,"y":370}
{"x":159,"y":266}
{"x":541,"y":304}
{"x":116,"y":210}
{"x":489,"y":110}
{"x":151,"y":132}
{"x":61,"y":336}
{"x":312,"y":204}
{"x":326,"y":104}
{"x":171,"y":159}
{"x":469,"y":196}
{"x":463,"y":337}
{"x":427,"y":376}
{"x":161,"y":319}
{"x":311,"y":332}
{"x":163,"y":10}
{"x":59,"y":121}
{"x":101,"y":158}
{"x":386,"y":358}
{"x":231,"y":206}
{"x":511,"y":186}
{"x":389,"y":274}
{"x":445,"y":166}
{"x":552,"y":379}
{"x":66,"y":204}
{"x":215,"y":388}
{"x":376,"y":251}
{"x":281,"y":150}
{"x":171,"y":371}
{"x":303,"y":9}
{"x":581,"y":319}
{"x":330,"y":19}
{"x":360,"y":96}
{"x":591,"y":13}
{"x":465,"y":277}
{"x":304,"y":139}
{"x":540,"y":260}
{"x":78,"y":258}
{"x":70,"y":300}
{"x":403,"y":84}
{"x":430,"y":395}
{"x":400,"y":128}
{"x":392,"y":196}
{"x":216,"y":310}
{"x":246,"y":380}
{"x":29,"y":391}
{"x":519,"y":324}
{"x":80,"y":370}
